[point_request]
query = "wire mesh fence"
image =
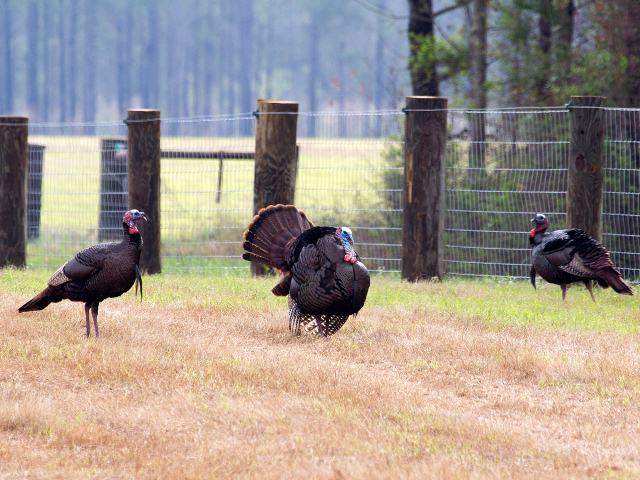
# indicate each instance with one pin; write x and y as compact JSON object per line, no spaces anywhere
{"x":355,"y":181}
{"x":502,"y":166}
{"x":207,"y":187}
{"x":621,"y":202}
{"x":63,"y":195}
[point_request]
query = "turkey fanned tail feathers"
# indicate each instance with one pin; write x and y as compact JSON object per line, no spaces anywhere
{"x":272,"y":232}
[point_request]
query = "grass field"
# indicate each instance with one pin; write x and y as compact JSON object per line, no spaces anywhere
{"x":461,"y":379}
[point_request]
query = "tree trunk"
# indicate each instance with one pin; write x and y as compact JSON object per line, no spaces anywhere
{"x":313,"y":72}
{"x":564,"y":45}
{"x":245,"y":32}
{"x":543,"y":82}
{"x":9,"y":67}
{"x":33,"y":59}
{"x":124,"y":59}
{"x":72,"y":73}
{"x":268,"y":87}
{"x":90,"y":27}
{"x":62,"y":66}
{"x":424,"y":193}
{"x":478,"y":76}
{"x":424,"y":77}
{"x":47,"y":74}
{"x":152,"y":58}
{"x":209,"y":62}
{"x":379,"y":62}
{"x":342,"y":88}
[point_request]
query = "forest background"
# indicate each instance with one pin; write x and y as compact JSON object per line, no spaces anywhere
{"x":83,"y":60}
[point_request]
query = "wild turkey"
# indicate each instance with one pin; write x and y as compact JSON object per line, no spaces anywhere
{"x":102,"y":271}
{"x":323,"y":277}
{"x":568,"y":256}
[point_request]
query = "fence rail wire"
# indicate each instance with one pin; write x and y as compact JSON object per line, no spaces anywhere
{"x":502,"y":166}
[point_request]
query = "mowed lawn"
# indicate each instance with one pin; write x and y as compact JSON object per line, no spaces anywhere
{"x":459,"y":379}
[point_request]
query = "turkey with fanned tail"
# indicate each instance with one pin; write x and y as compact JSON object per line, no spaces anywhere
{"x":102,"y":271}
{"x":569,"y":256}
{"x":322,"y":274}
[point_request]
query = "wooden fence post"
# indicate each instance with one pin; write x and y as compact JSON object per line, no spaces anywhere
{"x":424,"y":193}
{"x":113,"y":188}
{"x":34,"y":189}
{"x":276,"y":157}
{"x":14,"y":132}
{"x":584,"y":183}
{"x":144,"y":180}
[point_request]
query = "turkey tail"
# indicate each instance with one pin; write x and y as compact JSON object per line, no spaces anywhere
{"x":613,"y":279}
{"x":270,"y":234}
{"x":39,"y":302}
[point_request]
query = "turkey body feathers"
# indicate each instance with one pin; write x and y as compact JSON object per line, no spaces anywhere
{"x":323,"y":288}
{"x":323,"y":283}
{"x":571,"y":255}
{"x":92,"y":275}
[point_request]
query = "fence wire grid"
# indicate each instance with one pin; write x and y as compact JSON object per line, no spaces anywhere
{"x":502,"y":166}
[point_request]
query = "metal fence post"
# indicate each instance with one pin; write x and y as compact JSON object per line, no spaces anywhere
{"x":144,"y":180}
{"x":584,"y":183}
{"x":14,"y":132}
{"x":276,"y":157}
{"x":113,"y":187}
{"x":34,"y":190}
{"x":424,"y":193}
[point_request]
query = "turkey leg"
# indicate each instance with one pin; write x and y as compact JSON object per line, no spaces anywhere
{"x":94,"y":312}
{"x":87,"y":307}
{"x":564,"y":291}
{"x":589,"y":286}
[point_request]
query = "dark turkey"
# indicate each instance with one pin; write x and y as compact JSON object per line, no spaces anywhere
{"x":323,"y":277}
{"x":568,"y":256}
{"x":102,"y":271}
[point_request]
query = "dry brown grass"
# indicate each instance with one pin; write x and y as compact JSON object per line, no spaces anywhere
{"x":208,"y":390}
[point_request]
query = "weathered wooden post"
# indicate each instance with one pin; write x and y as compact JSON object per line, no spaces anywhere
{"x":14,"y":132}
{"x":584,"y":183}
{"x":34,"y":189}
{"x":276,"y":157}
{"x":424,"y":194}
{"x":113,"y":187}
{"x":144,"y":180}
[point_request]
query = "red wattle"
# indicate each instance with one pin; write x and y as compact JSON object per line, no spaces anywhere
{"x":350,"y":258}
{"x":532,"y":233}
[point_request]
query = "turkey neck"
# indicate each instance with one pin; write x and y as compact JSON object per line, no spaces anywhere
{"x":131,"y":238}
{"x":537,"y":240}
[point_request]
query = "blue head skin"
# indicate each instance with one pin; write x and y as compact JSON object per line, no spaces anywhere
{"x":540,"y":224}
{"x":345,"y":236}
{"x":132,"y":218}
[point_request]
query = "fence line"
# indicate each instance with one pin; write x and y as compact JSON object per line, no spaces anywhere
{"x":495,"y":182}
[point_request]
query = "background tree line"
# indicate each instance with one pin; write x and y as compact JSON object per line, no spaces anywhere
{"x":526,"y":52}
{"x":84,"y":60}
